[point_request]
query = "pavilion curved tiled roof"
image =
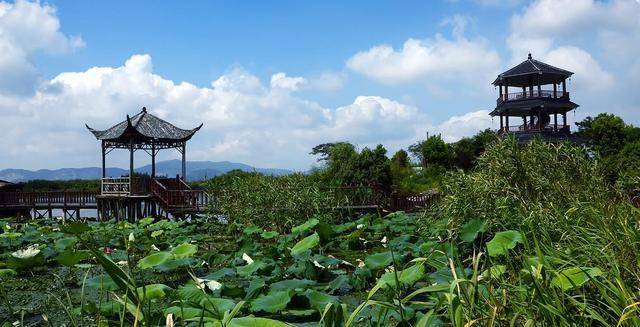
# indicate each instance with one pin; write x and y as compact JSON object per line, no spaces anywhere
{"x":144,"y":125}
{"x":518,"y":75}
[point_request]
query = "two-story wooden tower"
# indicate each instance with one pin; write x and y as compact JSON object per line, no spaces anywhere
{"x":535,"y":94}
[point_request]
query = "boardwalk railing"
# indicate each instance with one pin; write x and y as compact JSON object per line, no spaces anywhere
{"x":413,"y":202}
{"x":51,"y":198}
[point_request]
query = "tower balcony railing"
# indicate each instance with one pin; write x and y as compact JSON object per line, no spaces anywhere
{"x":558,"y":94}
{"x":536,"y":128}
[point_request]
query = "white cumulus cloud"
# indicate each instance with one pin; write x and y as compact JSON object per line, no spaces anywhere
{"x":436,"y":58}
{"x":244,"y":119}
{"x":27,"y":28}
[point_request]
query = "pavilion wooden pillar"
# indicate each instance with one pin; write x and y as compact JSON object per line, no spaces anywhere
{"x":153,"y":159}
{"x":104,"y":160}
{"x":524,"y":122}
{"x":184,"y":161}
{"x":540,"y":126}
{"x":539,"y":87}
{"x":564,"y":120}
{"x":555,"y":90}
{"x":507,"y":122}
{"x":501,"y":124}
{"x":131,"y":166}
{"x":564,"y":88}
{"x":500,"y":87}
{"x":555,"y":120}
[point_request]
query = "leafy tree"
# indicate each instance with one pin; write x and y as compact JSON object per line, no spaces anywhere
{"x":324,"y":150}
{"x":606,"y":132}
{"x":432,"y":151}
{"x":344,"y":165}
{"x":464,"y":153}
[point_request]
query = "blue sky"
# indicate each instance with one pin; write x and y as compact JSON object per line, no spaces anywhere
{"x":271,"y":79}
{"x":199,"y":41}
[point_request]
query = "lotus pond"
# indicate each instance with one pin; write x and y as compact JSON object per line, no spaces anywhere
{"x":534,"y":236}
{"x":374,"y":270}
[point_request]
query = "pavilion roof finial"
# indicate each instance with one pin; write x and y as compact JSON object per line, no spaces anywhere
{"x":144,"y":109}
{"x":529,"y":56}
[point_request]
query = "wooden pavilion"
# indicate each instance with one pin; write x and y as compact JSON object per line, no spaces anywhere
{"x":532,"y":104}
{"x":135,"y":196}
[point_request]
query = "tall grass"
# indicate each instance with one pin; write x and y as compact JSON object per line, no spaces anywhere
{"x":557,"y":198}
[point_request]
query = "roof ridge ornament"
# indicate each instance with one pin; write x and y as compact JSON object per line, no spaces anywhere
{"x":529,"y":56}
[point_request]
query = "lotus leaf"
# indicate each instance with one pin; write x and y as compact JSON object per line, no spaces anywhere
{"x":152,"y":291}
{"x":69,"y":258}
{"x":272,"y":302}
{"x":248,"y":270}
{"x":308,"y":225}
{"x":378,"y":260}
{"x":269,"y":235}
{"x":405,"y":277}
{"x":216,"y":304}
{"x":291,"y":284}
{"x":103,"y":282}
{"x":319,"y":300}
{"x":306,"y":243}
{"x":184,"y":250}
{"x":253,"y":229}
{"x":503,"y":241}
{"x":470,"y":230}
{"x":154,"y":259}
{"x":574,"y":277}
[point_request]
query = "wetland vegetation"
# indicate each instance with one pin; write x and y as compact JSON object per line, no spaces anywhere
{"x":528,"y":235}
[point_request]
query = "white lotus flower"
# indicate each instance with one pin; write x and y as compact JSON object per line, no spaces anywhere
{"x":154,"y":247}
{"x":131,"y":238}
{"x":169,"y":320}
{"x":360,"y":263}
{"x":247,"y":258}
{"x":122,"y":263}
{"x":28,"y":252}
{"x":359,"y":226}
{"x":315,"y":263}
{"x":214,"y":285}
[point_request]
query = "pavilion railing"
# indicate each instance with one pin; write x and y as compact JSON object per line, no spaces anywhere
{"x":121,"y":186}
{"x":558,"y":94}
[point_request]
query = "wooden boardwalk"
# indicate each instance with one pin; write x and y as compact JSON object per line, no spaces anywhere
{"x":42,"y":204}
{"x":174,"y":197}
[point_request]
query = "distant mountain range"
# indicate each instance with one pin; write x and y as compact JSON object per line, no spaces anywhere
{"x":196,"y":170}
